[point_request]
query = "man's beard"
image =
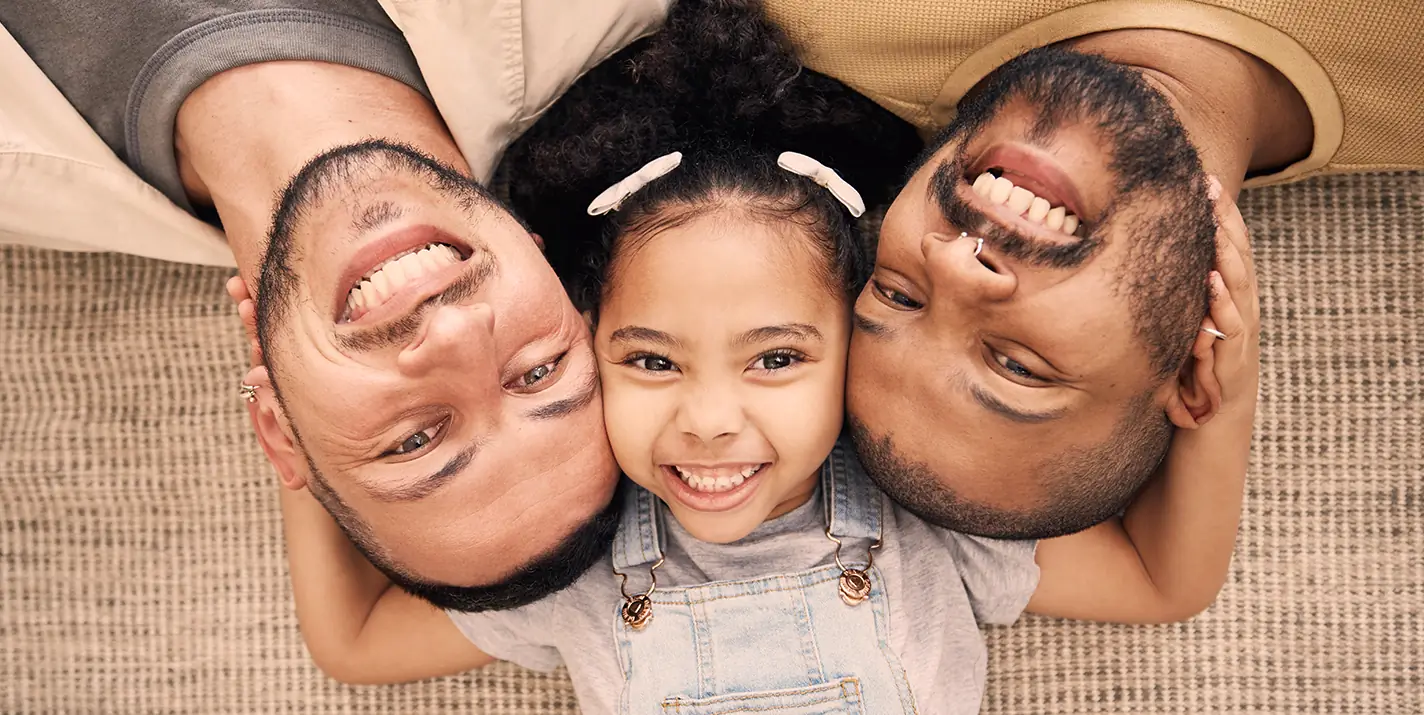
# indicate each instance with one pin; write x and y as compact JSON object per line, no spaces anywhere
{"x":1168,"y":254}
{"x":552,"y":572}
{"x":336,"y":173}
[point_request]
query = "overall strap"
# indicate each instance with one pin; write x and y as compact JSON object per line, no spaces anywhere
{"x":853,"y":503}
{"x":639,"y":539}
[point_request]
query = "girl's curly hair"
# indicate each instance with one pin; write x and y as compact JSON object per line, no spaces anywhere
{"x":723,"y":85}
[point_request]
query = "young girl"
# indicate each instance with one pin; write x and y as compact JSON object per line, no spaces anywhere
{"x":756,"y":569}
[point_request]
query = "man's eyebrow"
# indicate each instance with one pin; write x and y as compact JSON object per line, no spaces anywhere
{"x":430,"y":483}
{"x":870,"y":327}
{"x":1014,"y":414}
{"x":571,"y":404}
{"x":784,"y":331}
{"x":636,"y":334}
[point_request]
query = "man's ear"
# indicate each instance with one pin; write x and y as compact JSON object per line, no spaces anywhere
{"x":538,"y":240}
{"x":273,"y":431}
{"x":1195,"y":394}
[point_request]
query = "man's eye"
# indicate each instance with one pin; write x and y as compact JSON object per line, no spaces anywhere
{"x":540,"y":373}
{"x":415,"y":442}
{"x":777,"y":360}
{"x":1015,"y":367}
{"x":896,"y":297}
{"x":651,"y":363}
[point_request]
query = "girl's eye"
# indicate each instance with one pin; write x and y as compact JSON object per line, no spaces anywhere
{"x":416,"y":442}
{"x":1015,"y":367}
{"x":896,"y":297}
{"x":651,"y":363}
{"x":777,"y":360}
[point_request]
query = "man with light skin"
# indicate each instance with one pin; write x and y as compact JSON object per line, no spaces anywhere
{"x":425,"y":377}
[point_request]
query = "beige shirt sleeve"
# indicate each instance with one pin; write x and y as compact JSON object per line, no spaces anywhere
{"x":61,"y":187}
{"x":493,"y":66}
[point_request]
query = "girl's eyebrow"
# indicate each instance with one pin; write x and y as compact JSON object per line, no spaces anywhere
{"x":785,"y":331}
{"x":639,"y":334}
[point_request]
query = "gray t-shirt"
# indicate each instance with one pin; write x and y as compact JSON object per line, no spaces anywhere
{"x":940,"y":586}
{"x":128,"y":66}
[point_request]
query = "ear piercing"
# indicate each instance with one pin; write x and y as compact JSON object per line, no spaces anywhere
{"x":247,"y":392}
{"x":978,"y":243}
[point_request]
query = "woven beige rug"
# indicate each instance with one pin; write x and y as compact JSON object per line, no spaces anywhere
{"x":141,"y":566}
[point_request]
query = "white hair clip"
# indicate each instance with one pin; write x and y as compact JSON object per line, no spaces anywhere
{"x":825,"y":176}
{"x":614,"y":196}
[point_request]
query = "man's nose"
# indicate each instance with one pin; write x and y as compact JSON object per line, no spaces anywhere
{"x":967,"y":269}
{"x":457,"y":338}
{"x":710,"y":412}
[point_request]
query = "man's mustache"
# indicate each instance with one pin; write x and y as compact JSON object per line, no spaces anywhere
{"x":402,"y":330}
{"x":944,"y":185}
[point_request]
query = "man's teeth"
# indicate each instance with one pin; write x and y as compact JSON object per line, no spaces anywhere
{"x":720,"y":479}
{"x":999,"y":190}
{"x":389,"y":277}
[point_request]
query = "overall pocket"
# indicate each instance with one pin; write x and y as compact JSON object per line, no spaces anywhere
{"x":838,"y":697}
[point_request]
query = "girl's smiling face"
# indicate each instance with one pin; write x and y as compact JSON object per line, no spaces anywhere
{"x":722,"y":349}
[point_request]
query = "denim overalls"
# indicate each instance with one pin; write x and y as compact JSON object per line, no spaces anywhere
{"x":784,"y":644}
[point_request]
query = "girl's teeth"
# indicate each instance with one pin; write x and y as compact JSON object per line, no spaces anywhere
{"x":1070,"y":224}
{"x":716,"y":483}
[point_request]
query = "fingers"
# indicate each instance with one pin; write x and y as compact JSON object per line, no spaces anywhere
{"x":1206,"y":382}
{"x":1233,"y":254}
{"x":1224,"y":313}
{"x":247,"y":312}
{"x":237,"y":289}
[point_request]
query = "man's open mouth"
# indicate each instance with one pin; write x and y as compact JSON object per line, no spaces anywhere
{"x":386,"y":279}
{"x":387,"y":274}
{"x":1031,"y":187}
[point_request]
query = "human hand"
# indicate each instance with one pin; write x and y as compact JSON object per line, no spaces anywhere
{"x":1228,"y":351}
{"x":247,"y":313}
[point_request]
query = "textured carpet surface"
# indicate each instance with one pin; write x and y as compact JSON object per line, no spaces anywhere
{"x":141,"y":563}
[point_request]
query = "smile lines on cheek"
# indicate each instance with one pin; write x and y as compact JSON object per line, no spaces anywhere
{"x":1002,"y":191}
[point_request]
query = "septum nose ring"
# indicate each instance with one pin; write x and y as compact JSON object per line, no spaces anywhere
{"x":978,"y":243}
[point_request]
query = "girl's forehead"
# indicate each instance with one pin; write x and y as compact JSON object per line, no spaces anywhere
{"x":724,"y":251}
{"x":721,"y":276}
